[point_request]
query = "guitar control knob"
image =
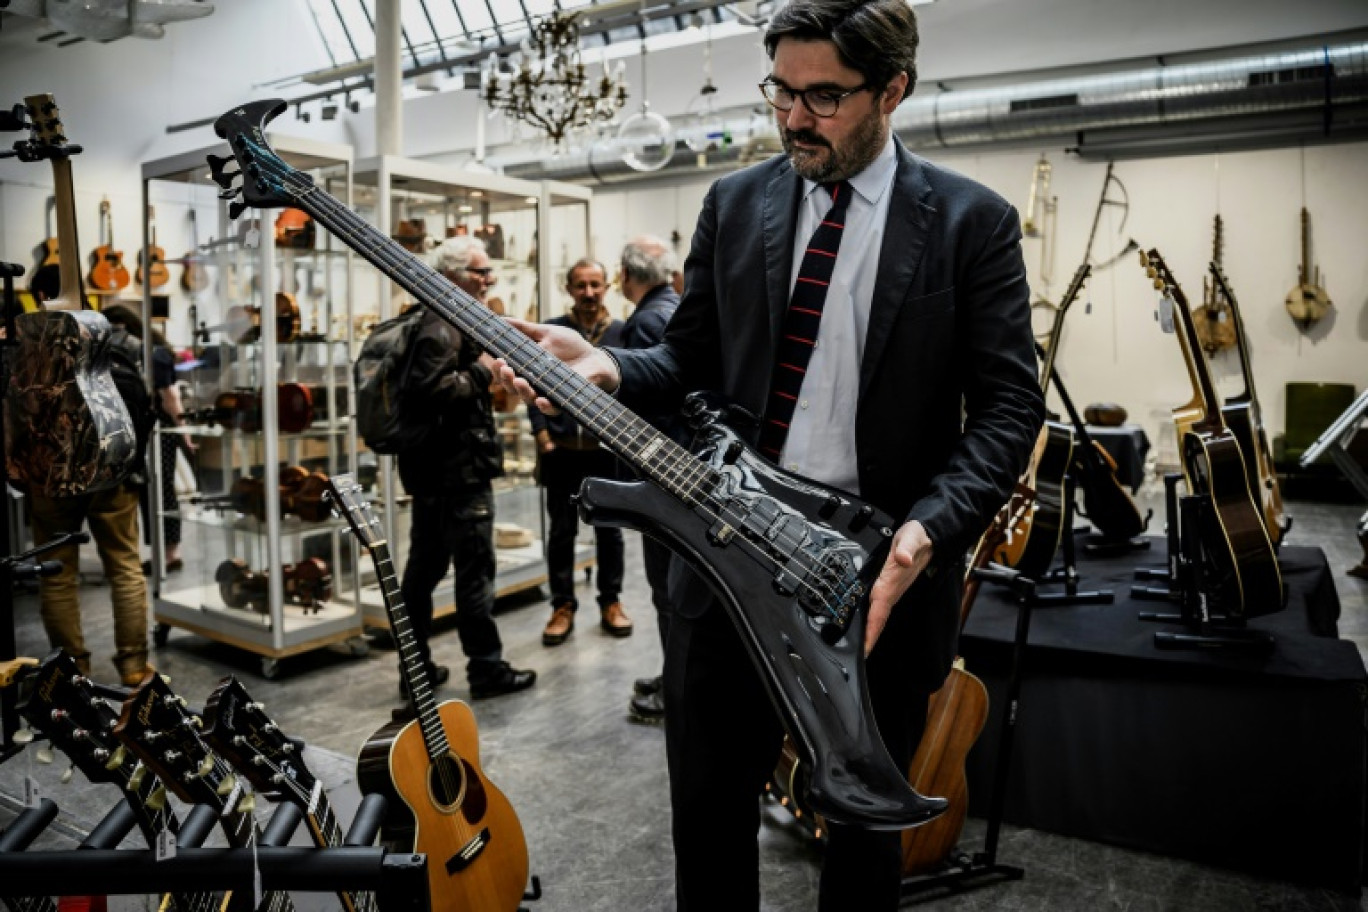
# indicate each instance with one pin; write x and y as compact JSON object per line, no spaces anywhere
{"x":733,"y":452}
{"x":829,"y":507}
{"x":861,"y":518}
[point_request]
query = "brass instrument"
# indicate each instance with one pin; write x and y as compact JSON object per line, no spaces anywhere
{"x":1032,"y":222}
{"x":1038,"y":221}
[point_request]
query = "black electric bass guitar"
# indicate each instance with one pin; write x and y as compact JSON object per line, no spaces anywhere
{"x":1032,"y":549}
{"x":1243,"y":416}
{"x":793,"y":560}
{"x":1242,"y":575}
{"x":239,"y":730}
{"x":62,"y":704}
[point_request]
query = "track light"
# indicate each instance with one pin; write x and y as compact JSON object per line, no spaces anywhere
{"x":301,"y":114}
{"x":329,"y":109}
{"x":353,"y":104}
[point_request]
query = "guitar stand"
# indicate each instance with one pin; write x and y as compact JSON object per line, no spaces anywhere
{"x":1206,"y":629}
{"x":963,"y":871}
{"x":1068,"y":574}
{"x":1171,"y":591}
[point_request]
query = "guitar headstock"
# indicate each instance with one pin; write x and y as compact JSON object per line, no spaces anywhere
{"x":267,"y":181}
{"x":348,"y":503}
{"x":239,"y":729}
{"x":62,"y":705}
{"x":45,"y":123}
{"x":156,"y":726}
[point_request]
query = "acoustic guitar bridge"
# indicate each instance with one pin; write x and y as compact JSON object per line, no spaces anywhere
{"x":468,"y":853}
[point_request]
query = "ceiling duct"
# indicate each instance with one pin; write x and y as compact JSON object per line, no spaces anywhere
{"x":1247,"y":102}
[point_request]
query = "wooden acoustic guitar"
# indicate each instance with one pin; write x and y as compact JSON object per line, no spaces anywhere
{"x":238,"y":728}
{"x":477,"y":855}
{"x":108,"y":274}
{"x":68,"y":428}
{"x":1241,"y":575}
{"x":195,"y":275}
{"x":1032,"y":550}
{"x":48,"y":272}
{"x":153,"y":258}
{"x":1244,"y":417}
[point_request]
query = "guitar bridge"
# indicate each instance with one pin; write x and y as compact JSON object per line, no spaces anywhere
{"x":468,"y":853}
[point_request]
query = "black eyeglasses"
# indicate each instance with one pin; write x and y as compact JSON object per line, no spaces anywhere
{"x":483,"y":272}
{"x":821,"y":102}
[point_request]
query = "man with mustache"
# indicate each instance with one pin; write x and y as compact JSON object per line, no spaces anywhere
{"x":873,"y":309}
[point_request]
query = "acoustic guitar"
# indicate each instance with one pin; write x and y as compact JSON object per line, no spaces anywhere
{"x":1308,"y":301}
{"x":1244,"y":417}
{"x":68,"y":428}
{"x":791,"y":559}
{"x":477,"y":855}
{"x":1032,"y":550}
{"x":195,"y":275}
{"x":48,"y":272}
{"x":153,"y":258}
{"x":108,"y":274}
{"x":1241,"y":575}
{"x":238,"y":728}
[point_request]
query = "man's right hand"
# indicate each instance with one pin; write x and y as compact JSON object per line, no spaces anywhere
{"x":566,"y":345}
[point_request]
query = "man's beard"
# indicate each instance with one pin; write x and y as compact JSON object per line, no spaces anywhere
{"x":858,"y":153}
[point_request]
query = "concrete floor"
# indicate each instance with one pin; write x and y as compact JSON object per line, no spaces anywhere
{"x":589,"y":784}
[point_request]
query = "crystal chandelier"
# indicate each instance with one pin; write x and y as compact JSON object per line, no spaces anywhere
{"x":547,"y":85}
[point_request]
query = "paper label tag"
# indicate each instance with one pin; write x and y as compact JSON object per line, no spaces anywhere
{"x":315,"y":795}
{"x":253,"y":238}
{"x":33,"y":795}
{"x":166,"y":845}
{"x":1166,"y":314}
{"x":231,"y":802}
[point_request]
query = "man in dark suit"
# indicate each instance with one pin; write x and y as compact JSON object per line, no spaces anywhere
{"x":895,"y":293}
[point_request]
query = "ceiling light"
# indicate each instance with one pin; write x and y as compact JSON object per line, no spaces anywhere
{"x":477,"y":193}
{"x":329,"y":110}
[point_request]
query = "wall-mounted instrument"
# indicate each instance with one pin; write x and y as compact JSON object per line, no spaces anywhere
{"x":68,"y":428}
{"x":195,"y":278}
{"x":1307,"y":302}
{"x":1032,"y":550}
{"x":1039,"y":222}
{"x":108,"y":273}
{"x":1242,"y":573}
{"x":431,"y":765}
{"x":48,"y":273}
{"x":154,"y":258}
{"x":1244,"y":417}
{"x":1213,"y":320}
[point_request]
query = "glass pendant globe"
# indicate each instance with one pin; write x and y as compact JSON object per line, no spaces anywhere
{"x":646,"y":141}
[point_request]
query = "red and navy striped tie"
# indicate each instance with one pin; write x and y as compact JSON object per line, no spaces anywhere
{"x":798,"y":336}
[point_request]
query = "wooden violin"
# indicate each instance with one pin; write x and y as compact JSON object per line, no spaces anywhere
{"x":107,"y":272}
{"x":243,"y":321}
{"x":153,"y":258}
{"x":241,"y":409}
{"x":307,"y":583}
{"x":294,"y":229}
{"x":304,"y":496}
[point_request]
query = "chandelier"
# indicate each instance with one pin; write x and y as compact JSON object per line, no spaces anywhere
{"x":547,"y":85}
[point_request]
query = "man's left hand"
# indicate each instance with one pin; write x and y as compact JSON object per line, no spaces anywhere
{"x":908,"y":557}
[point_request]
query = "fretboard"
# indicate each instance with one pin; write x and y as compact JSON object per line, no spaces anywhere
{"x":327,"y":834}
{"x":651,"y":453}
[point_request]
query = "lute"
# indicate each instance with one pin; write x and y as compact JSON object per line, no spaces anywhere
{"x":1213,"y":319}
{"x":1308,"y":301}
{"x":792,"y":560}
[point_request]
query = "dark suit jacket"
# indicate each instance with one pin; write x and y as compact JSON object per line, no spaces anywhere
{"x":949,"y":403}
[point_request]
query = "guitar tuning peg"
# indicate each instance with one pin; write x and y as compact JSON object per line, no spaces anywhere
{"x":236,"y":209}
{"x":1158,"y":283}
{"x":117,"y":759}
{"x":218,"y":170}
{"x":247,"y":804}
{"x":157,"y":799}
{"x":226,"y":787}
{"x":135,"y":780}
{"x":204,"y":768}
{"x":68,"y":773}
{"x":228,"y":194}
{"x":44,"y":755}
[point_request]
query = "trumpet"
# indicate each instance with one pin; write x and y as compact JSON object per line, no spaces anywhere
{"x":1037,"y":201}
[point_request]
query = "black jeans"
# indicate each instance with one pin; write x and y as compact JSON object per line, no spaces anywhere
{"x":563,"y":471}
{"x":455,"y":530}
{"x":657,"y":560}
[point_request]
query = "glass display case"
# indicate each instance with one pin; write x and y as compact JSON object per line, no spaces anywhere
{"x":420,"y":204}
{"x":258,"y":318}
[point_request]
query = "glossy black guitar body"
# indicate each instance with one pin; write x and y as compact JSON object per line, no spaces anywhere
{"x":1034,"y":549}
{"x":819,"y":687}
{"x":1106,"y":504}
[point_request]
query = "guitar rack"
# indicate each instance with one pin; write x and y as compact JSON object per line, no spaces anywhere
{"x":398,"y":880}
{"x":1068,"y":573}
{"x":963,"y":871}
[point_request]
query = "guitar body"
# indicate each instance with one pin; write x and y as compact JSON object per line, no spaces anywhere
{"x":955,"y":717}
{"x":156,"y":274}
{"x":1240,"y":416}
{"x":1106,"y":502}
{"x":818,"y":688}
{"x":108,"y":273}
{"x":477,"y":855}
{"x":1032,"y":549}
{"x":68,"y":428}
{"x":195,"y":277}
{"x":1243,"y":570}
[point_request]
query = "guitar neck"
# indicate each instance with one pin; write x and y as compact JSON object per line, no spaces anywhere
{"x":327,"y":834}
{"x":1199,"y":372}
{"x":650,"y":452}
{"x":152,"y":821}
{"x":1241,"y":340}
{"x":72,"y":295}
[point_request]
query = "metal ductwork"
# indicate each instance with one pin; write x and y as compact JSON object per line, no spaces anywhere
{"x":1256,"y":101}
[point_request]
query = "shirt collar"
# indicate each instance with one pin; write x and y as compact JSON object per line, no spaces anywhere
{"x":874,"y":180}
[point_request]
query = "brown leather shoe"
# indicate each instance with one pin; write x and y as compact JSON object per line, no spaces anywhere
{"x":132,"y":678}
{"x":559,"y":627}
{"x":616,"y":621}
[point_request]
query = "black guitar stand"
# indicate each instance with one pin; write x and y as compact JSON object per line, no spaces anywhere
{"x":1207,"y":628}
{"x":1171,"y":591}
{"x":963,"y":871}
{"x":1068,"y":573}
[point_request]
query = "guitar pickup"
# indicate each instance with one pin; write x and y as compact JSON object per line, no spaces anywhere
{"x":468,"y":853}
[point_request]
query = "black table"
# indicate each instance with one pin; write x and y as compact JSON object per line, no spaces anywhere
{"x":1248,"y":762}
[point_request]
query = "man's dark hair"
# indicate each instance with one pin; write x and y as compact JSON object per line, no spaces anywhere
{"x":876,"y":37}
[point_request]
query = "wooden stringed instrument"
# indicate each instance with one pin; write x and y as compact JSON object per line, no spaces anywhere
{"x":154,"y":258}
{"x":241,"y":409}
{"x":1244,"y":417}
{"x":307,"y":584}
{"x":477,"y":854}
{"x":195,"y":275}
{"x":68,"y":429}
{"x":1308,"y":301}
{"x":792,"y":560}
{"x":47,"y":274}
{"x":156,"y":726}
{"x":1032,"y":550}
{"x":108,"y":274}
{"x":63,"y":706}
{"x":956,"y":715}
{"x":1213,"y":320}
{"x":1241,"y":574}
{"x":238,"y":728}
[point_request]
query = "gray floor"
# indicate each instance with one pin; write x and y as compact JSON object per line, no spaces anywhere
{"x":589,"y":784}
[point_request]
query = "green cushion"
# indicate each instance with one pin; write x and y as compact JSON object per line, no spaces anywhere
{"x":1311,"y":407}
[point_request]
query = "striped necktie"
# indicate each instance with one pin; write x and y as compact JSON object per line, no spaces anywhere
{"x":798,"y":336}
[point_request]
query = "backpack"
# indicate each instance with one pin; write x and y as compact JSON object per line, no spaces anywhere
{"x":125,"y":368}
{"x":382,"y":373}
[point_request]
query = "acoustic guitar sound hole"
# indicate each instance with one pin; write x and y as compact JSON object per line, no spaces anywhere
{"x":447,"y":782}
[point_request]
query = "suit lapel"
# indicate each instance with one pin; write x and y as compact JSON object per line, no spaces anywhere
{"x":909,"y":225}
{"x":782,"y":195}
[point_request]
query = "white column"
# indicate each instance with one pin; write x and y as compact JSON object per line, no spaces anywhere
{"x":389,"y":81}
